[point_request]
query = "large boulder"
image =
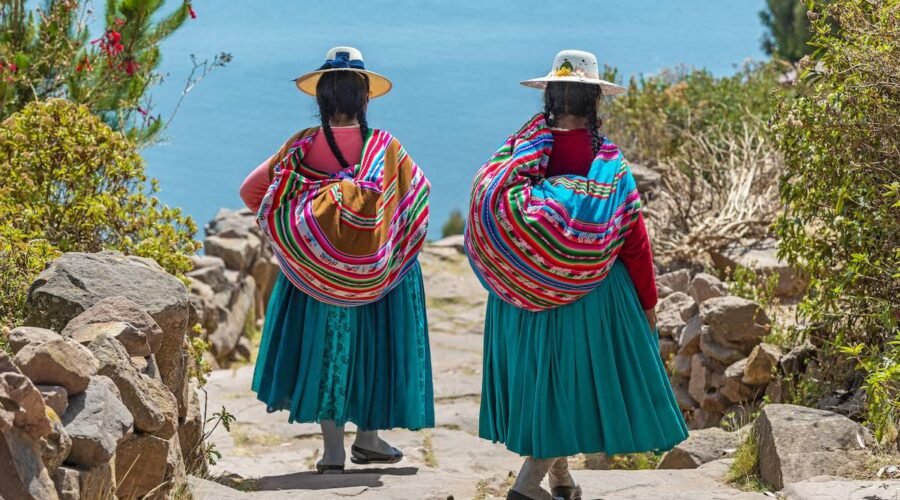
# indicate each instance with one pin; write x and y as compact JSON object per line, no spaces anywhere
{"x":701,"y":446}
{"x":735,"y":389}
{"x":239,"y":254}
{"x":762,"y":259}
{"x":21,"y":404}
{"x":233,"y":224}
{"x":797,"y":443}
{"x":145,"y":337}
{"x":97,"y":422}
{"x":722,"y":353}
{"x":761,"y":364}
{"x":706,"y":380}
{"x":153,"y":407}
{"x":75,"y":282}
{"x":673,"y":312}
{"x":58,"y":362}
{"x":706,"y":286}
{"x":735,"y":321}
{"x":92,"y":482}
{"x":146,"y":463}
{"x":209,"y":270}
{"x":27,"y":335}
{"x":235,"y":314}
{"x":677,"y":281}
{"x":689,"y":339}
{"x":22,"y":471}
{"x":132,"y":340}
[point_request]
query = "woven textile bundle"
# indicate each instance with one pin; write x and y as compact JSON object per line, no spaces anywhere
{"x":537,"y":242}
{"x":347,"y":238}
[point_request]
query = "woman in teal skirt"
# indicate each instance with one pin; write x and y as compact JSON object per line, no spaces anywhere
{"x":566,"y":372}
{"x":324,"y":358}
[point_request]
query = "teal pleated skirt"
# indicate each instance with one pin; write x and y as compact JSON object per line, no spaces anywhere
{"x":582,"y":378}
{"x":369,"y":365}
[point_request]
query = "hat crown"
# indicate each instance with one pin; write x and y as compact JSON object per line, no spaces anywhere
{"x":575,"y":63}
{"x":353,"y":53}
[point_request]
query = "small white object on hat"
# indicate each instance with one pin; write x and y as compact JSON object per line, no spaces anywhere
{"x":344,"y":59}
{"x":575,"y":66}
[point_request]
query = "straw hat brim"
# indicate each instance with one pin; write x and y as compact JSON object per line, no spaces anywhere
{"x":378,"y":84}
{"x":609,"y":88}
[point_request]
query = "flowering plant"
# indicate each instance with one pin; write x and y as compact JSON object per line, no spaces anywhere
{"x":47,"y":51}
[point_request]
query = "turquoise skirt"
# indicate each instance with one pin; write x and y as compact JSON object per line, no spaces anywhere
{"x":369,"y":365}
{"x":582,"y":378}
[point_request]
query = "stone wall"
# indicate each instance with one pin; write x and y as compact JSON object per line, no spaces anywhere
{"x":96,"y":400}
{"x":230,"y":284}
{"x":713,"y":347}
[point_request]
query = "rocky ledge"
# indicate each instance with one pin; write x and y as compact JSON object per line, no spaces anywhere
{"x":96,"y":400}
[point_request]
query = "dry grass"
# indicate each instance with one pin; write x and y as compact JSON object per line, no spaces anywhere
{"x":428,"y":450}
{"x":713,"y":194}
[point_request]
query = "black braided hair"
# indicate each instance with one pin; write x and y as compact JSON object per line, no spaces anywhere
{"x":343,"y":93}
{"x":575,"y":99}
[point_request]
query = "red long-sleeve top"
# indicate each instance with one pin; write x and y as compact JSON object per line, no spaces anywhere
{"x":572,"y":155}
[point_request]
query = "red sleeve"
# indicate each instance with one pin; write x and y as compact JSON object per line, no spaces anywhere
{"x":638,"y":260}
{"x":255,"y":186}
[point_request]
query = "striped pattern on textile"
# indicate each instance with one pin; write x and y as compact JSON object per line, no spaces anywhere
{"x":537,"y":242}
{"x":347,"y":238}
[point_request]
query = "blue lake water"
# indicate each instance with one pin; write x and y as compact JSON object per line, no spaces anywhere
{"x":455,"y":68}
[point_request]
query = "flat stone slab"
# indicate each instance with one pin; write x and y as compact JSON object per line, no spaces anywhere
{"x":831,"y":488}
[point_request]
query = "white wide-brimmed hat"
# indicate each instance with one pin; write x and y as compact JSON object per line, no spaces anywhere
{"x":344,"y":59}
{"x":575,"y":66}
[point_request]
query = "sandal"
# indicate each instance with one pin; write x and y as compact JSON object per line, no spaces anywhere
{"x":567,"y":492}
{"x":362,"y":456}
{"x":329,"y":469}
{"x":515,"y":495}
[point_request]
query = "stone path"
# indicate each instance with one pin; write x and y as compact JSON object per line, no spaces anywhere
{"x":276,"y":459}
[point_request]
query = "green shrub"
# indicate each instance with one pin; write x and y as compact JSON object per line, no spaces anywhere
{"x":70,"y":183}
{"x":841,"y":142}
{"x":659,"y":113}
{"x":455,"y":224}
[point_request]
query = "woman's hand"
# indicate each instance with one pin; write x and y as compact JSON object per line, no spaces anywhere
{"x":651,"y":318}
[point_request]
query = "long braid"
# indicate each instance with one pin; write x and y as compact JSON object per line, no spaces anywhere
{"x":363,"y":125}
{"x":329,"y":136}
{"x":548,"y":109}
{"x":593,"y":127}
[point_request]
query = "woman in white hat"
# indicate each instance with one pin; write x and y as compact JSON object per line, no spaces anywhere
{"x":555,"y":233}
{"x":345,"y":210}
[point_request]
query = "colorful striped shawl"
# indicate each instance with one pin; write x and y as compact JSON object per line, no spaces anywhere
{"x":346,"y":238}
{"x":538,"y":242}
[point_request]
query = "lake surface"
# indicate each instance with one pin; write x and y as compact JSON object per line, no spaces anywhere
{"x":455,"y":68}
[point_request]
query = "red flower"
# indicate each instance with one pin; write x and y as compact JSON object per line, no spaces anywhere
{"x":110,"y":43}
{"x":191,"y":11}
{"x":130,"y":66}
{"x":13,"y":68}
{"x":120,"y":21}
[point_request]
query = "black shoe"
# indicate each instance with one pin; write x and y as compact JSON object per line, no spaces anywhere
{"x":329,"y":469}
{"x":362,"y":456}
{"x":515,"y":495}
{"x":567,"y":492}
